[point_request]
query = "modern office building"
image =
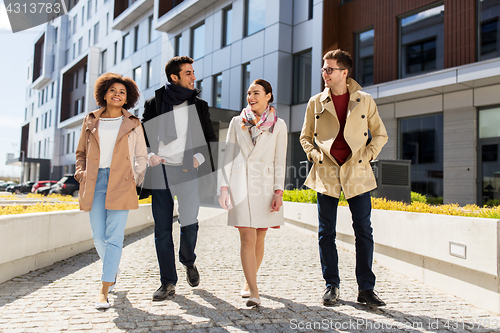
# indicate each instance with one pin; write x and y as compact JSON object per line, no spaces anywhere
{"x":433,"y":68}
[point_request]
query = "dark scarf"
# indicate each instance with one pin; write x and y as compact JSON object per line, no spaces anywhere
{"x":172,"y":95}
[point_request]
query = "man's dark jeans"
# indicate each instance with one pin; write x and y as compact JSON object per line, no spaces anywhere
{"x":360,"y":207}
{"x":163,"y":208}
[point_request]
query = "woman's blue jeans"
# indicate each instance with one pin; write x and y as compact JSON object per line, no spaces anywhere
{"x":360,"y":207}
{"x":108,"y":228}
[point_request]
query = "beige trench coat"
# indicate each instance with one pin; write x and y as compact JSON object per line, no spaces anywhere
{"x":321,"y":124}
{"x":128,"y":164}
{"x":253,"y":173}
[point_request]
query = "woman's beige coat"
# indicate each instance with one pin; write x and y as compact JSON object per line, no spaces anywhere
{"x":128,"y":164}
{"x":253,"y":173}
{"x":321,"y":125}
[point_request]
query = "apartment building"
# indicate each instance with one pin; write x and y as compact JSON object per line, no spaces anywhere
{"x":433,"y":68}
{"x":233,"y":42}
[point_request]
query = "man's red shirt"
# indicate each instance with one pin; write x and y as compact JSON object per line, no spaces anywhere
{"x":340,"y":149}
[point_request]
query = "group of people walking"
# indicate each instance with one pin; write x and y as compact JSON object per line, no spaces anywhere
{"x":174,"y":142}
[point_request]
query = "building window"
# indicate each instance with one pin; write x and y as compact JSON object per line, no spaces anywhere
{"x":73,"y":143}
{"x":227,"y":26}
{"x":302,"y":67}
{"x":96,"y":33}
{"x":104,"y":60}
{"x":422,"y":42}
{"x":363,"y":65}
{"x":80,"y":46}
{"x":77,"y":107}
{"x":136,"y":38}
{"x":68,"y":140}
{"x":82,"y":110}
{"x":125,"y":46}
{"x":136,"y":76}
{"x":45,"y":120}
{"x":74,"y":51}
{"x":66,"y":57}
{"x":310,"y":9}
{"x":489,"y":161}
{"x":89,"y":9}
{"x":115,"y":58}
{"x":85,"y":73}
{"x":217,"y":89}
{"x":421,"y":141}
{"x":107,"y":24}
{"x":76,"y":79}
{"x":150,"y":29}
{"x":50,"y":118}
{"x":74,"y":23}
{"x":199,"y":86}
{"x":178,"y":45}
{"x":149,"y":74}
{"x":36,"y":127}
{"x":83,"y":15}
{"x":198,"y":41}
{"x":55,"y":35}
{"x":255,"y":16}
{"x":245,"y":83}
{"x":488,"y":21}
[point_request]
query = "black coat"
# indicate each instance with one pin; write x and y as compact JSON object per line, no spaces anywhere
{"x":152,"y":109}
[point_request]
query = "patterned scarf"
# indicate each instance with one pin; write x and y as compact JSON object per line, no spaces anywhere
{"x":258,"y":124}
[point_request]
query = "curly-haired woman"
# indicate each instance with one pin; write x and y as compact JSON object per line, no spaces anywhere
{"x":110,"y":161}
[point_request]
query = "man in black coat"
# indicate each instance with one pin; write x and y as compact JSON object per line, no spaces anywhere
{"x":178,"y":134}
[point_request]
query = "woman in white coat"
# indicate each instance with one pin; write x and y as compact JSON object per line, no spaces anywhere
{"x":253,"y":179}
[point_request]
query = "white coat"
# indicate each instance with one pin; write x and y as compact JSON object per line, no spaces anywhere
{"x":253,"y":173}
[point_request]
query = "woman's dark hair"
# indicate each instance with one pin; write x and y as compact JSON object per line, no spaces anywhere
{"x":105,"y":81}
{"x":174,"y":65}
{"x":267,"y":87}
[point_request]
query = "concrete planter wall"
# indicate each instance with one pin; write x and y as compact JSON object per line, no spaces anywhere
{"x":33,"y":241}
{"x":457,"y":255}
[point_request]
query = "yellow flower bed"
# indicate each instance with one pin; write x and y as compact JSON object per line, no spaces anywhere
{"x":37,"y":208}
{"x":309,"y":196}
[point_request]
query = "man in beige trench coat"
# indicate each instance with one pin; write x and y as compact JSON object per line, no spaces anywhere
{"x":335,"y":138}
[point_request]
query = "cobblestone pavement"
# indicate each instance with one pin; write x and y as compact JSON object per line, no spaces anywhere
{"x":61,"y":297}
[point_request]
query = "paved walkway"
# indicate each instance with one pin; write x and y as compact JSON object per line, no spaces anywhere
{"x":61,"y":297}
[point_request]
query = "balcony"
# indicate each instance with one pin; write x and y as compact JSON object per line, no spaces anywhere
{"x":172,"y":13}
{"x":125,"y":13}
{"x":42,"y":64}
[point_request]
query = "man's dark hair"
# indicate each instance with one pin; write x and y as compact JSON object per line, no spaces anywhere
{"x":343,"y":58}
{"x":173,"y":66}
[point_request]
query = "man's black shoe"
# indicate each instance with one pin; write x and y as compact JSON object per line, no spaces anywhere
{"x":192,"y":275}
{"x":370,"y":298}
{"x":164,"y":291}
{"x":331,"y":295}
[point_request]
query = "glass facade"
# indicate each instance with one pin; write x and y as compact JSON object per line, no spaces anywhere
{"x":421,"y":141}
{"x":421,"y":45}
{"x":363,"y":66}
{"x":245,"y":84}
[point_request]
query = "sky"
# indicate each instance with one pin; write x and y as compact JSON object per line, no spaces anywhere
{"x":16,"y":50}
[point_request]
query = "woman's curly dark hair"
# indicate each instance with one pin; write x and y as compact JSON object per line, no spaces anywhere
{"x":106,"y":80}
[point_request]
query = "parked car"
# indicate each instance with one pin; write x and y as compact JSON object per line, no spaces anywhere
{"x":20,"y":188}
{"x":6,"y":184}
{"x":66,"y":186}
{"x":45,"y":190}
{"x":42,"y":183}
